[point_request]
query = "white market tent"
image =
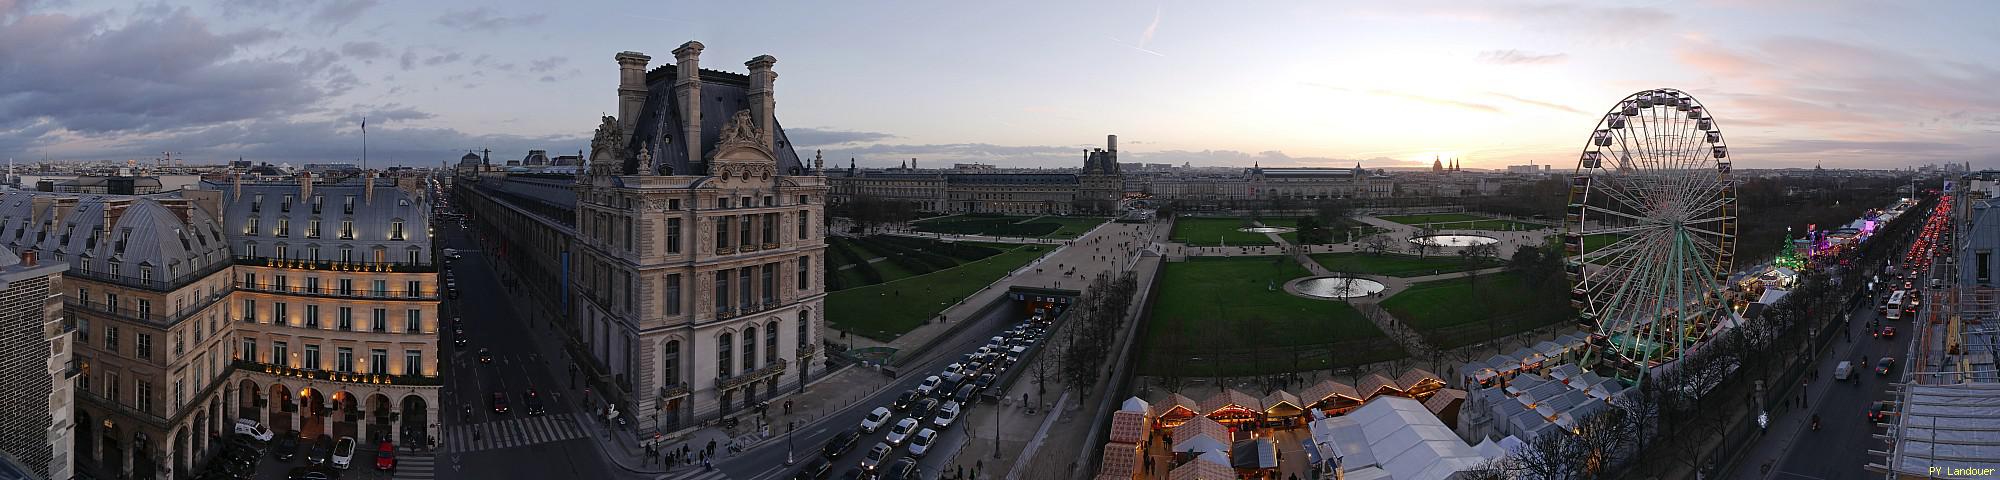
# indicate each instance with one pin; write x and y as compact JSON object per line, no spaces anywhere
{"x":1394,"y":438}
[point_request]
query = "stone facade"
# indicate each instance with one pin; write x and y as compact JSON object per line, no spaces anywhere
{"x":698,"y":245}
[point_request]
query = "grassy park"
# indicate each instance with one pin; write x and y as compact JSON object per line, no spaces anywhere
{"x":884,"y":311}
{"x":1214,"y":232}
{"x":1009,"y":225}
{"x":1461,"y":221}
{"x":1456,"y":312}
{"x":1234,"y":316}
{"x":1399,"y":265}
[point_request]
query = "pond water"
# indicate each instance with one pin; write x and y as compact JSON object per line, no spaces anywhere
{"x":1454,"y":240}
{"x":1338,"y":287}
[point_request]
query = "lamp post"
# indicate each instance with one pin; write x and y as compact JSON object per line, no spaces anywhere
{"x":788,"y":444}
{"x":996,"y":431}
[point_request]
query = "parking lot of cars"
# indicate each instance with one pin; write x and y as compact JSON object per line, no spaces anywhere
{"x":898,"y":435}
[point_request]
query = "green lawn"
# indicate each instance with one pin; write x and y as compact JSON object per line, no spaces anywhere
{"x":1348,"y":231}
{"x":1462,"y":221}
{"x":1456,"y":312}
{"x":1009,"y":225}
{"x":1211,"y":232}
{"x":849,"y":271}
{"x":1399,"y":265}
{"x":885,"y":311}
{"x":1205,"y":307}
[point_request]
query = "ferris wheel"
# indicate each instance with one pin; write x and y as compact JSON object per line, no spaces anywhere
{"x":1650,"y":231}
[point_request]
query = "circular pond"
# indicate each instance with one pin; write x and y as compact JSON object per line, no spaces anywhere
{"x":1336,"y":287}
{"x":1266,"y":229}
{"x":1454,"y":240}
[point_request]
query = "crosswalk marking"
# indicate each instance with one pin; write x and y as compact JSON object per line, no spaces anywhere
{"x":415,"y":467}
{"x":513,"y":432}
{"x":695,"y":474}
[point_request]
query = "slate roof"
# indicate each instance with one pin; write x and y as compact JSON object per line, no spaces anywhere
{"x":146,"y":235}
{"x":660,"y":124}
{"x":372,"y":219}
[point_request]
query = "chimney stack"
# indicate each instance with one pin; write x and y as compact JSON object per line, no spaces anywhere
{"x":631,"y":88}
{"x":305,"y":186}
{"x":235,"y":187}
{"x":368,"y":191}
{"x":687,"y":91}
{"x":1111,"y":142}
{"x":763,"y":101}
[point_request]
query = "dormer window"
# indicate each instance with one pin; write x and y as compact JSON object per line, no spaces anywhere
{"x":348,"y":207}
{"x":316,"y":204}
{"x":250,"y":226}
{"x":286,"y":205}
{"x":396,"y":230}
{"x":347,"y":229}
{"x":312,"y":228}
{"x":256,"y":203}
{"x":145,"y":273}
{"x":284,"y":227}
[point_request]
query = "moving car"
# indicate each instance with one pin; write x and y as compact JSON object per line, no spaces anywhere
{"x":875,"y":456}
{"x":385,"y":456}
{"x":485,"y":356}
{"x":1878,"y":412}
{"x":907,"y":400}
{"x":1883,"y":366}
{"x":533,"y":401}
{"x":499,"y":402}
{"x":876,"y":417}
{"x":929,"y":384}
{"x":840,"y":443}
{"x":925,"y":408}
{"x":1843,"y":371}
{"x":343,"y":453}
{"x":921,"y":443}
{"x":287,"y":446}
{"x":321,"y":448}
{"x":817,"y":469}
{"x":1887,"y":331}
{"x":904,"y":469}
{"x":253,"y":429}
{"x":965,"y":393}
{"x":902,"y":431}
{"x":312,"y":473}
{"x":946,"y":414}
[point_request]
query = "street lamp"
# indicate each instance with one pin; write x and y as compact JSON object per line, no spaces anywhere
{"x":788,"y":444}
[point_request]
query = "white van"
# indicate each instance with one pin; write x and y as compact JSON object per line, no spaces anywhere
{"x":1893,"y":307}
{"x":1843,"y":371}
{"x":253,"y":429}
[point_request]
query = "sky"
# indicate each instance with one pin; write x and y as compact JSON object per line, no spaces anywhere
{"x":1015,"y":84}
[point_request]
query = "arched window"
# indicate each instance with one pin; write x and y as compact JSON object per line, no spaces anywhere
{"x":670,"y":361}
{"x":805,"y":324}
{"x":749,"y":349}
{"x":722,"y":360}
{"x":770,"y":342}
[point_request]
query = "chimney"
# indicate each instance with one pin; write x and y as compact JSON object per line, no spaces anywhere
{"x":28,"y":258}
{"x":687,"y":91}
{"x":631,"y":88}
{"x":762,"y":100}
{"x":368,"y":191}
{"x":1111,"y":142}
{"x":235,"y":186}
{"x":486,"y":157}
{"x":305,"y":186}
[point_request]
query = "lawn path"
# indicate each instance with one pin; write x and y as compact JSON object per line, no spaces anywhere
{"x":1370,"y":306}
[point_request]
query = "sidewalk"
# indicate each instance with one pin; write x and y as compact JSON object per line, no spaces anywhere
{"x":1767,"y":454}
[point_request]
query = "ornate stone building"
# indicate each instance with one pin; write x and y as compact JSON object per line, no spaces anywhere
{"x":36,"y":367}
{"x":699,"y":240}
{"x":1100,"y":186}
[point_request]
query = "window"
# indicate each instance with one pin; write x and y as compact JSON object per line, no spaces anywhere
{"x":83,"y":329}
{"x":286,"y":205}
{"x":249,"y":310}
{"x":249,"y":349}
{"x":316,"y":205}
{"x":180,"y":391}
{"x":396,"y":230}
{"x":805,"y":221}
{"x":625,"y":296}
{"x":805,"y":274}
{"x":413,"y":321}
{"x":413,"y":362}
{"x":1984,"y":268}
{"x":346,"y":285}
{"x":178,"y":343}
{"x":670,"y":362}
{"x":250,"y":250}
{"x":278,"y":316}
{"x":111,"y":338}
{"x":413,"y":288}
{"x":111,"y":389}
{"x":381,"y":288}
{"x":348,"y":206}
{"x":347,"y":229}
{"x":83,"y":381}
{"x":673,"y":305}
{"x":378,"y":361}
{"x":628,"y":232}
{"x":250,"y":280}
{"x":346,"y":254}
{"x":312,"y":315}
{"x":673,"y":236}
{"x":721,"y":292}
{"x":278,"y":354}
{"x":250,"y":226}
{"x":770,"y":342}
{"x":749,"y":349}
{"x":146,"y":273}
{"x":743,"y":229}
{"x":142,"y":345}
{"x":312,"y":283}
{"x":380,"y":321}
{"x":256,"y":203}
{"x":722,"y":231}
{"x":312,"y":253}
{"x":805,"y":323}
{"x":722,"y":359}
{"x":143,"y":391}
{"x":770,"y":289}
{"x":722,"y":202}
{"x":416,"y":257}
{"x":284,"y":227}
{"x":145,"y":309}
{"x":770,"y":201}
{"x":343,"y":359}
{"x":344,"y":319}
{"x":770,"y":228}
{"x":743,"y":285}
{"x":802,"y":199}
{"x":280,"y":282}
{"x":312,"y":357}
{"x":312,"y":226}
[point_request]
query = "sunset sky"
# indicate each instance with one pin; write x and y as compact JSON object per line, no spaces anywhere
{"x":1387,"y":84}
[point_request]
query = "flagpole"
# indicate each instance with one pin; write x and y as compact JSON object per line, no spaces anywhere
{"x":364,"y":143}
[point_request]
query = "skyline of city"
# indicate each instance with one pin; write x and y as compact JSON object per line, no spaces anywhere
{"x":1493,"y":85}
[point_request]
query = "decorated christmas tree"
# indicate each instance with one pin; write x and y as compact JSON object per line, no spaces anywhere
{"x":1788,"y":255}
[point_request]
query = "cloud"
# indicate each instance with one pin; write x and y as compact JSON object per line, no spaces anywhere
{"x":78,"y":72}
{"x":484,"y":19}
{"x":1146,"y":37}
{"x":338,"y":13}
{"x":364,"y":50}
{"x":1517,"y":57}
{"x":1437,"y":101}
{"x":385,"y":114}
{"x":409,"y":59}
{"x":443,"y":58}
{"x":1538,"y":103}
{"x":821,"y":137}
{"x":545,"y":65}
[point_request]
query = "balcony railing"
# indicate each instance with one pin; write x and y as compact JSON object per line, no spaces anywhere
{"x":337,"y":293}
{"x":364,"y":267}
{"x":152,"y":316}
{"x":768,"y":370}
{"x":338,"y":377}
{"x":155,"y":284}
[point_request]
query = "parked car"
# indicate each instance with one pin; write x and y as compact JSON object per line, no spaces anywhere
{"x":965,"y":393}
{"x":286,"y":447}
{"x":921,"y":443}
{"x":929,"y":384}
{"x":875,"y":456}
{"x":984,"y":380}
{"x":253,"y":429}
{"x":902,"y":431}
{"x":876,"y":417}
{"x":385,"y":456}
{"x":904,"y":469}
{"x":312,"y":473}
{"x":321,"y":449}
{"x":925,"y":408}
{"x":343,"y":453}
{"x":946,"y":414}
{"x":840,"y":443}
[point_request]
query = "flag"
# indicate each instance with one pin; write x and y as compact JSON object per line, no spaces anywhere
{"x":364,"y":124}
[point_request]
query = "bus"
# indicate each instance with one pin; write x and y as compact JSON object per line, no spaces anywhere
{"x":1893,"y":307}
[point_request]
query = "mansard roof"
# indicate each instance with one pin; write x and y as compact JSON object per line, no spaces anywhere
{"x":660,"y":126}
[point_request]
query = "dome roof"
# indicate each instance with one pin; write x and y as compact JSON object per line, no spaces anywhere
{"x":470,"y":156}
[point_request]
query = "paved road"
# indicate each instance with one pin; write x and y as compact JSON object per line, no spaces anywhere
{"x":767,"y":460}
{"x":1840,"y":448}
